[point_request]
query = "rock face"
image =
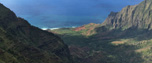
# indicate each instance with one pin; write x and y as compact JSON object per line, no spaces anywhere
{"x":22,"y":43}
{"x":132,"y":16}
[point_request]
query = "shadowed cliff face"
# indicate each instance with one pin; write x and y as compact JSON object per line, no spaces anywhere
{"x":22,"y":43}
{"x":132,"y":16}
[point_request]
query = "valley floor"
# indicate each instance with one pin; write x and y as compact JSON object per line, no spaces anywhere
{"x":111,"y":46}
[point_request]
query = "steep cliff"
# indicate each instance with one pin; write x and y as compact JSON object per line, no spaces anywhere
{"x":21,"y":42}
{"x":138,"y":16}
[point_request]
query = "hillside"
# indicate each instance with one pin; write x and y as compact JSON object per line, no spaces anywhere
{"x":124,"y":37}
{"x":21,"y":42}
{"x":139,"y":16}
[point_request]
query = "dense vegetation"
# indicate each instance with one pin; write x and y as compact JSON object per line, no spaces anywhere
{"x":124,"y":37}
{"x":111,"y":46}
{"x":22,"y":43}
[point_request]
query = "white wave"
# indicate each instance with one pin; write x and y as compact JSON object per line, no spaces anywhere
{"x":44,"y":28}
{"x":53,"y":28}
{"x":74,"y":26}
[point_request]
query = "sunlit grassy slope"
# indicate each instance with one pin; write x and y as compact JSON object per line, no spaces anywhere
{"x":110,"y":46}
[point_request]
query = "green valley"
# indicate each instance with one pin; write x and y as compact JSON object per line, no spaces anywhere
{"x":124,"y":37}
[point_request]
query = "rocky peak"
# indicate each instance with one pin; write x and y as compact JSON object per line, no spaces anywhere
{"x":6,"y":16}
{"x":139,"y":16}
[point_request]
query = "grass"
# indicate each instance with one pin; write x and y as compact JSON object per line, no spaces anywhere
{"x":126,"y":48}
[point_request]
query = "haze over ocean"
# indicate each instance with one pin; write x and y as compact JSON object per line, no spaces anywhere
{"x":65,"y":13}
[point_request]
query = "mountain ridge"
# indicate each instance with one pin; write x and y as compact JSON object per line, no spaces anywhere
{"x":21,"y":42}
{"x":131,"y":16}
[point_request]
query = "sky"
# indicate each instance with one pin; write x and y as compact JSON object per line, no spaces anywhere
{"x":65,"y":13}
